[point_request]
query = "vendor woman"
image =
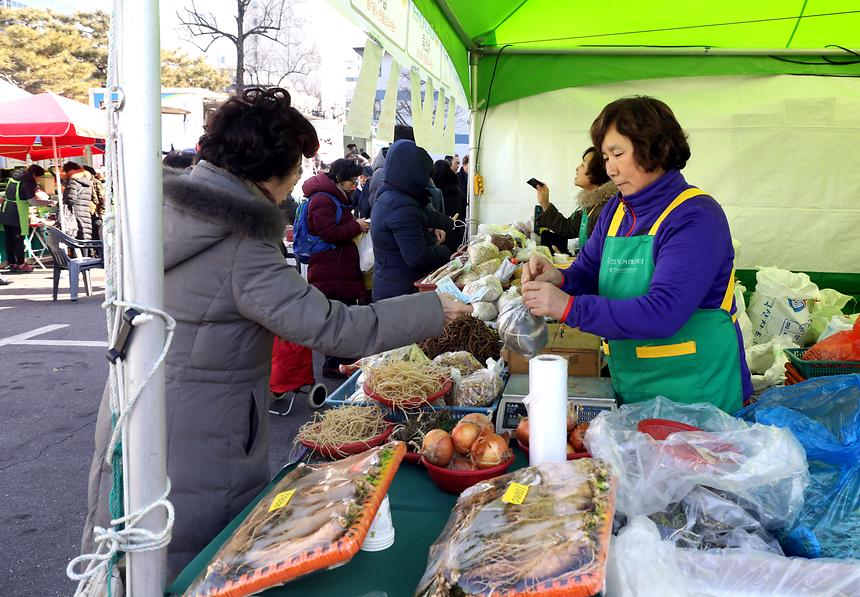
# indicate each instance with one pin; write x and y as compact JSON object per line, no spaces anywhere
{"x":657,"y":277}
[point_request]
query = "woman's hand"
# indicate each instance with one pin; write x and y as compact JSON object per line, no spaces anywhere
{"x":543,"y":195}
{"x":541,"y":269}
{"x":453,"y":309}
{"x":363,"y":224}
{"x":545,"y":300}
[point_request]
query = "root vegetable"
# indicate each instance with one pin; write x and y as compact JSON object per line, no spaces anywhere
{"x":461,"y":463}
{"x":490,"y":450}
{"x":523,"y":431}
{"x":577,"y":437}
{"x":464,"y":435}
{"x":437,"y":447}
{"x":482,"y":421}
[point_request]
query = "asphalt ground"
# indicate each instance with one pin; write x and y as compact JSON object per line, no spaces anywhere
{"x":49,"y":397}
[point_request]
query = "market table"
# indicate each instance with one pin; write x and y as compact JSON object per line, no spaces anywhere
{"x":419,"y":511}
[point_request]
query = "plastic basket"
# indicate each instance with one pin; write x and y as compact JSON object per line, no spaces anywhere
{"x":347,"y":389}
{"x":810,"y":369}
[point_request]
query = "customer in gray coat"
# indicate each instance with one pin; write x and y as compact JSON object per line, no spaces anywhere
{"x":231,"y":291}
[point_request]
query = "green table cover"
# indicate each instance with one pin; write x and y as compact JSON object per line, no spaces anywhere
{"x":419,"y":511}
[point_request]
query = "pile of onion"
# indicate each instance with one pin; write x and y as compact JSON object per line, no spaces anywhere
{"x":575,"y":438}
{"x":472,"y":445}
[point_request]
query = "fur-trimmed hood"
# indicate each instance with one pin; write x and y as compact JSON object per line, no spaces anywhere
{"x":206,"y":205}
{"x":602,"y":194}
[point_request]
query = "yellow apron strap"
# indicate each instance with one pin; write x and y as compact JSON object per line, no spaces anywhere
{"x":688,"y":194}
{"x":616,"y":220}
{"x":730,"y":294}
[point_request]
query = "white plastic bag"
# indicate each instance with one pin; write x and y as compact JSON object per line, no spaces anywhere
{"x":641,"y":564}
{"x":778,"y":306}
{"x":506,"y":269}
{"x":365,"y":251}
{"x":837,"y":323}
{"x":484,"y":310}
{"x":767,"y":362}
{"x":488,"y":288}
{"x":743,"y":319}
{"x":829,"y":304}
{"x":521,"y":331}
{"x":763,"y":465}
{"x":481,"y":387}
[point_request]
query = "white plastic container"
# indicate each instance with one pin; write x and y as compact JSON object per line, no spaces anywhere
{"x":381,"y":533}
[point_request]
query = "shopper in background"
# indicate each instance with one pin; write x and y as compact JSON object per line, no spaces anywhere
{"x":404,"y":246}
{"x":463,"y":178}
{"x":454,"y":200}
{"x":455,"y":163}
{"x":77,"y":197}
{"x":656,"y":279}
{"x":401,"y":131}
{"x":20,"y":191}
{"x":336,"y":272}
{"x":231,"y":291}
{"x":597,"y":190}
{"x":97,"y":205}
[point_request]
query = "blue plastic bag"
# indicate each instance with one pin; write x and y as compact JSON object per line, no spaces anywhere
{"x":824,"y":415}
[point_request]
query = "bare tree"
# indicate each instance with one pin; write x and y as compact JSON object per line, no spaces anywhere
{"x":262,"y":19}
{"x":290,"y":59}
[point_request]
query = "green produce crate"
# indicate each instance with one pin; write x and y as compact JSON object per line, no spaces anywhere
{"x":809,"y":369}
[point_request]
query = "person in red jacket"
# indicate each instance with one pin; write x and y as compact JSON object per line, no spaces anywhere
{"x":336,"y":272}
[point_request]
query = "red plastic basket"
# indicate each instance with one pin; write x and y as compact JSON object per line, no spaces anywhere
{"x":574,"y":456}
{"x":660,"y":429}
{"x":344,"y":450}
{"x":456,"y":481}
{"x":415,"y":402}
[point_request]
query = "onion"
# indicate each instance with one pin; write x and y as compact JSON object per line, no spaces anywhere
{"x":482,"y":421}
{"x":437,"y":447}
{"x":570,"y":450}
{"x":577,"y":437}
{"x":461,"y":463}
{"x":490,"y":450}
{"x":523,"y":431}
{"x":464,"y":435}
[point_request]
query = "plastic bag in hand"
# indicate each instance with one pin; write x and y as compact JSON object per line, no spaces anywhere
{"x":521,"y":331}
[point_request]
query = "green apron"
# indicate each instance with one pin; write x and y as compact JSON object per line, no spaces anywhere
{"x":23,"y":206}
{"x":697,"y":364}
{"x":583,"y":229}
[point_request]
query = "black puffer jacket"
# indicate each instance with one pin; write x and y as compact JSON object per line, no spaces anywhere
{"x":404,"y":249}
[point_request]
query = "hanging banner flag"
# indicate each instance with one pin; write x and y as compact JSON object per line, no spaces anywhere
{"x":427,"y":115}
{"x":360,"y":117}
{"x":390,"y":17}
{"x":448,"y":140}
{"x":385,"y":126}
{"x":438,"y":129}
{"x":423,"y":44}
{"x":417,"y":111}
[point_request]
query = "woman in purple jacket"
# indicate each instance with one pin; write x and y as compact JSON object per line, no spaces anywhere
{"x":656,"y":278}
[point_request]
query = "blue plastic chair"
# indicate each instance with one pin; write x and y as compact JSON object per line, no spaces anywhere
{"x":58,"y":243}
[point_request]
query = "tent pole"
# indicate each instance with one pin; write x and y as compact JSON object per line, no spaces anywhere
{"x":59,"y":186}
{"x":471,"y":206}
{"x":143,"y":277}
{"x":660,"y":51}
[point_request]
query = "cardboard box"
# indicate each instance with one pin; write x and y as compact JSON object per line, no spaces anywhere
{"x":582,"y":351}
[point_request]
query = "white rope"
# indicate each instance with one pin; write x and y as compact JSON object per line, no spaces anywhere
{"x":111,"y":541}
{"x":98,"y":572}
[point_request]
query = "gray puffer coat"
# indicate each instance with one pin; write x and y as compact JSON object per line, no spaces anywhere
{"x":77,"y":197}
{"x":230,"y":290}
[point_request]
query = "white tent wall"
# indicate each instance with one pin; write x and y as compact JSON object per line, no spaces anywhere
{"x":781,"y":154}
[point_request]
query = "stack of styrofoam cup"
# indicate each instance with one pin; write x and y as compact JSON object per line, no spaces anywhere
{"x":381,"y":533}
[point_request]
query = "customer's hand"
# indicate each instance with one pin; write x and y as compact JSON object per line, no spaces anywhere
{"x":541,"y":269}
{"x":543,"y":196}
{"x":440,"y":235}
{"x":545,"y":300}
{"x":363,"y":224}
{"x":454,"y":309}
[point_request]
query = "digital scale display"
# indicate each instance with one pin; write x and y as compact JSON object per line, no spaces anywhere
{"x":591,"y":395}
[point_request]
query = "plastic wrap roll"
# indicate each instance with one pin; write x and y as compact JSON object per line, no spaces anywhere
{"x":547,"y":409}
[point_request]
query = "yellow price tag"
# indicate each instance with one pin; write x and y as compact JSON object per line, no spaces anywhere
{"x":515,"y":493}
{"x":281,"y":500}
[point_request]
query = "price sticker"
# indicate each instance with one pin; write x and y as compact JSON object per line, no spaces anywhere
{"x":281,"y":500}
{"x":515,"y":493}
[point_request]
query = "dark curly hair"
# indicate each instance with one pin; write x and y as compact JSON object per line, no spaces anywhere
{"x":343,"y":169}
{"x":658,"y":140}
{"x":596,"y":170}
{"x":258,"y":136}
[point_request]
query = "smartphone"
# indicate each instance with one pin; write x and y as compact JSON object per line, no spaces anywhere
{"x":534,"y":182}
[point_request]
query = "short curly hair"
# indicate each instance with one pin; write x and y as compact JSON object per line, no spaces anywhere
{"x":343,"y":169}
{"x":258,"y":136}
{"x":596,"y":170}
{"x":657,"y":137}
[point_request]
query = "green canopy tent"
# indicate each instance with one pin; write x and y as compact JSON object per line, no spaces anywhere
{"x":506,"y":52}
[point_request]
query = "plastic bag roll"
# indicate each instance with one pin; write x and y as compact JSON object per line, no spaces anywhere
{"x":547,"y":408}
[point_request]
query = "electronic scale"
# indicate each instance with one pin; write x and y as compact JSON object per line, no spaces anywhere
{"x":590,"y":394}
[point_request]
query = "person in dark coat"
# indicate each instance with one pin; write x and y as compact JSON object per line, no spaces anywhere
{"x":230,"y":290}
{"x":401,"y":131}
{"x":15,"y":214}
{"x":335,"y":272}
{"x":77,"y":197}
{"x":404,"y":248}
{"x":455,"y":201}
{"x":463,"y":177}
